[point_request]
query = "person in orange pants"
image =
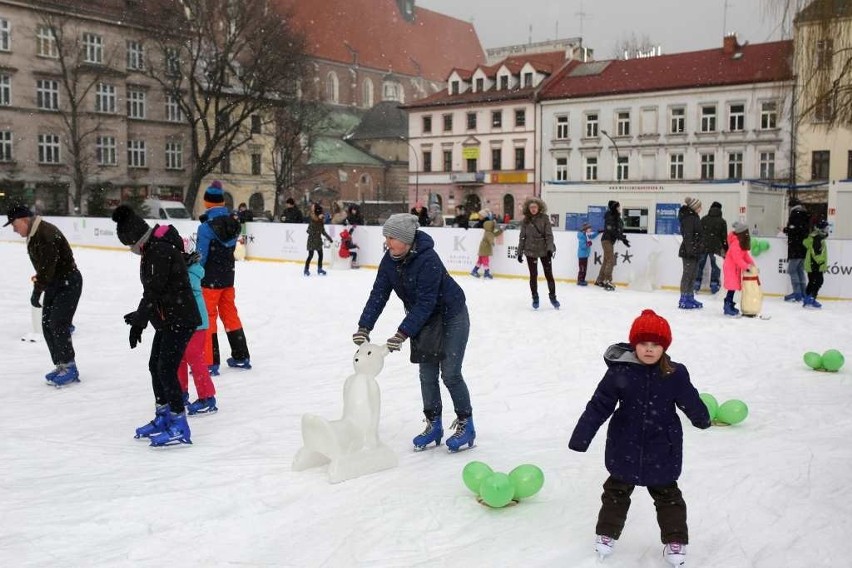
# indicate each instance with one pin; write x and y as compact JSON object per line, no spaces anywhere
{"x":217,"y":239}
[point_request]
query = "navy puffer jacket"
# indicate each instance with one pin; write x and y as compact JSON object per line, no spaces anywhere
{"x":422,"y":283}
{"x":644,"y":442}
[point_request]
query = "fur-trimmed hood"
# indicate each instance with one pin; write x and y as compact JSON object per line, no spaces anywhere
{"x":542,"y":206}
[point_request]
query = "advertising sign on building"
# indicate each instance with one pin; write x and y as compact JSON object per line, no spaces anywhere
{"x":596,"y":217}
{"x":667,"y":223}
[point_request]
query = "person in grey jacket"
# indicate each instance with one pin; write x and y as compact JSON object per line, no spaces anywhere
{"x":691,"y":250}
{"x":536,"y":242}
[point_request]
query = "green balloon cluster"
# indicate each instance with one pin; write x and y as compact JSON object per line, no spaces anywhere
{"x":728,"y":413}
{"x":832,"y":360}
{"x":758,"y":246}
{"x":497,"y":489}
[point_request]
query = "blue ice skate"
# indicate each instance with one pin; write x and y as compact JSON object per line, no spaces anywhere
{"x":433,"y":433}
{"x":488,"y":274}
{"x":202,"y":406}
{"x":794,"y":297}
{"x":213,"y":369}
{"x":239,"y":363}
{"x":176,"y":432}
{"x":535,"y":303}
{"x":475,"y":272}
{"x":465,"y":434}
{"x":67,"y":374}
{"x":554,"y":302}
{"x":155,"y":426}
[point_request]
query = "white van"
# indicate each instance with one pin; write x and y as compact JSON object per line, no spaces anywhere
{"x":160,"y":209}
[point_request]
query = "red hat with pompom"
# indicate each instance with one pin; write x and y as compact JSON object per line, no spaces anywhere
{"x":650,"y":327}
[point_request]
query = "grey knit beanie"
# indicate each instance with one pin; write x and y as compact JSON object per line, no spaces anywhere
{"x":401,"y":226}
{"x":740,"y":227}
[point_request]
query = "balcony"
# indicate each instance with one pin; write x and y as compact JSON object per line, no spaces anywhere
{"x":468,"y":178}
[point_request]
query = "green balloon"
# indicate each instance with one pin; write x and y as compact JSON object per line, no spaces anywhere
{"x":732,"y":412}
{"x":497,"y":490}
{"x":832,"y":360}
{"x":711,"y":403}
{"x":764,"y":246}
{"x":813,"y":360}
{"x":755,"y":247}
{"x":473,"y":474}
{"x":527,"y":480}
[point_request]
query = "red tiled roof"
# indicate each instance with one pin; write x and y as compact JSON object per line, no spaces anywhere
{"x":543,"y":62}
{"x":758,"y":63}
{"x":443,"y":99}
{"x":429,"y":46}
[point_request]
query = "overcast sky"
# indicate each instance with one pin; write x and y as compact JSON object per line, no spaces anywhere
{"x":677,"y":25}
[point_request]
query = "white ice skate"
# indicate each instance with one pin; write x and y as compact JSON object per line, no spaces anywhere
{"x":675,"y":554}
{"x":604,"y":546}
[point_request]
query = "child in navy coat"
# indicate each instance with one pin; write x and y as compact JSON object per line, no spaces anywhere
{"x":641,"y":391}
{"x":585,"y":236}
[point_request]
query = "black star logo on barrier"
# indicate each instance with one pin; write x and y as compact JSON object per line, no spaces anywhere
{"x":626,"y":256}
{"x":250,"y":238}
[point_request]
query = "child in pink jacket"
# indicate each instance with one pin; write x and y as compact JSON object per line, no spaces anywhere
{"x":737,"y":260}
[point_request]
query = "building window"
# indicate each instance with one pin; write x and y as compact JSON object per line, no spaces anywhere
{"x":819,"y":164}
{"x":448,"y":160}
{"x":105,"y":151}
{"x":768,"y":115}
{"x":172,"y":61}
{"x":471,"y":121}
{"x":137,"y":156}
{"x":5,"y":89}
{"x":5,"y":35}
{"x":520,"y":117}
{"x":708,"y":166}
{"x":93,"y":48}
{"x":824,"y":53}
{"x":767,"y":165}
{"x":427,"y":161}
{"x":136,"y":103}
{"x":255,"y":124}
{"x":496,"y":159}
{"x":561,"y":169}
{"x":622,"y":168}
{"x":48,"y":149}
{"x":47,"y":94}
{"x":824,"y":109}
{"x":528,"y":80}
{"x":5,"y":145}
{"x":708,"y":118}
{"x":676,"y":166}
{"x":427,"y":124}
{"x":135,"y":56}
{"x":480,"y":85}
{"x":392,"y":91}
{"x":105,"y":98}
{"x":174,"y":156}
{"x":255,"y":164}
{"x":520,"y":158}
{"x":736,"y":118}
{"x":677,"y":120}
{"x":225,"y":164}
{"x":497,"y":119}
{"x":367,"y":94}
{"x":173,"y":112}
{"x":454,"y":88}
{"x":592,"y":125}
{"x":472,"y":166}
{"x":448,"y":122}
{"x":622,"y":126}
{"x":591,"y":168}
{"x":332,"y":88}
{"x":504,"y":82}
{"x":735,"y":165}
{"x":46,"y":42}
{"x":562,"y":127}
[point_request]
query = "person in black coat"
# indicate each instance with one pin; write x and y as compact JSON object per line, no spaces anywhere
{"x":169,"y":305}
{"x":690,"y":252}
{"x":639,"y":395}
{"x":292,"y":214}
{"x":613,"y":231}
{"x":354,"y":216}
{"x":715,"y":230}
{"x":798,"y":227}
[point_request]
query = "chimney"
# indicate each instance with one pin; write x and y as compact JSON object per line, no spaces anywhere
{"x":730,"y":45}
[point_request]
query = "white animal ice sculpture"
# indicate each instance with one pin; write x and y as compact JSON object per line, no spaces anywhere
{"x":350,"y":446}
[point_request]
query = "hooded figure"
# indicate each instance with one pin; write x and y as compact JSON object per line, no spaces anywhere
{"x":536,"y":243}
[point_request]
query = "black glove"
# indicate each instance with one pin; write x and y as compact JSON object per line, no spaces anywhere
{"x":361,"y":336}
{"x":395,"y":342}
{"x":34,"y":298}
{"x":520,"y":258}
{"x":551,"y":254}
{"x":626,"y":242}
{"x":135,"y":336}
{"x":129,"y":318}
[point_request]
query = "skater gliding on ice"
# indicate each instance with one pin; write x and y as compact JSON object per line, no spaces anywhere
{"x":486,"y":248}
{"x":613,"y":231}
{"x":690,"y":252}
{"x":436,"y":319}
{"x":536,"y":243}
{"x":737,"y":260}
{"x":816,"y":263}
{"x":640,"y":394}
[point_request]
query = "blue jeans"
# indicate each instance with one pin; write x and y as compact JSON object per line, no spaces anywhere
{"x":715,"y":272}
{"x":796,"y":270}
{"x":456,"y":332}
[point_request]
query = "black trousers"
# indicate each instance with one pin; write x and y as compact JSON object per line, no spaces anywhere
{"x":583,"y":266}
{"x":547,"y":265}
{"x":311,"y":257}
{"x":166,"y":352}
{"x":815,"y":280}
{"x":58,"y":308}
{"x":668,"y":500}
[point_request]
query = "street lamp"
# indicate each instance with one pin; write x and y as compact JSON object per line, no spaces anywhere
{"x":617,"y":155}
{"x":416,"y":171}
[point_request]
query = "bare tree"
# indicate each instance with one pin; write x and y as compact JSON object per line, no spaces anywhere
{"x":223,"y":62}
{"x":823,"y":36}
{"x":632,"y":46}
{"x":84,"y":62}
{"x":297,"y":125}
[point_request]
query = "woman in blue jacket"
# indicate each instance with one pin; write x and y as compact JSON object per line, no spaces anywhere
{"x":644,"y":442}
{"x":436,"y":319}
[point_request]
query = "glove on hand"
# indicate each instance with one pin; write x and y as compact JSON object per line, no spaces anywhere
{"x":520,"y":258}
{"x":395,"y":342}
{"x":626,"y":242}
{"x":128,"y":318}
{"x":361,"y":336}
{"x":135,"y":336}
{"x":551,"y":254}
{"x":35,"y":297}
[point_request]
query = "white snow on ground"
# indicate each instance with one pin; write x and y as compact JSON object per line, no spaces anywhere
{"x":77,"y":490}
